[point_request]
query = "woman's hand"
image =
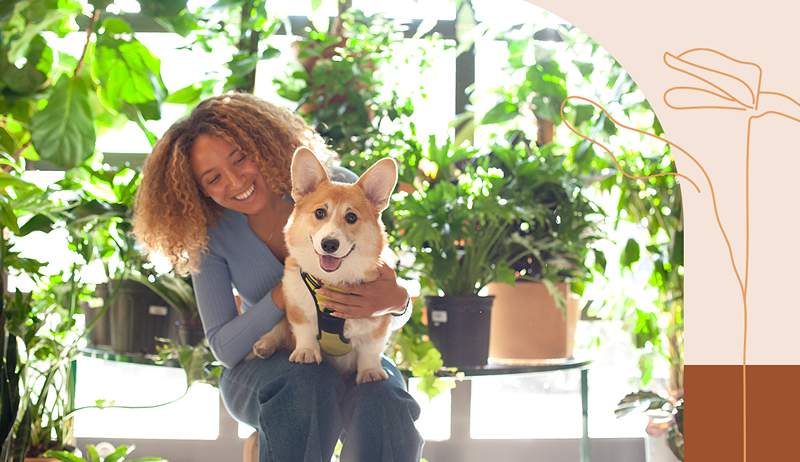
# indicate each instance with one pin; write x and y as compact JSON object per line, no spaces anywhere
{"x":379,"y":297}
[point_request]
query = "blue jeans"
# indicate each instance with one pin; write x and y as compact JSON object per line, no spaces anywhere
{"x":301,"y":410}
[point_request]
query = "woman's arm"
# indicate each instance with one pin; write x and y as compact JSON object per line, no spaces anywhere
{"x":230,"y":335}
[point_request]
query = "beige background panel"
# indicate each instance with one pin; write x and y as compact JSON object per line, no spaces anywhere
{"x":637,"y":34}
{"x":774,"y":251}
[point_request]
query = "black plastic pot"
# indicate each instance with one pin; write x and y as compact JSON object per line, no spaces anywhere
{"x":190,"y":331}
{"x":137,"y":316}
{"x":100,"y":335}
{"x":459,"y":328}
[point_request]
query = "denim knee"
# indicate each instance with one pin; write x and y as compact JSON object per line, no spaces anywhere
{"x":380,"y":426}
{"x":383,"y":395}
{"x":304,"y":389}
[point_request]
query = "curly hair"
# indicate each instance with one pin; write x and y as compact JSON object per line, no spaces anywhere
{"x":171,"y":214}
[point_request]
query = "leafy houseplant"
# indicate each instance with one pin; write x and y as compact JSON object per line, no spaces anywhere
{"x":457,"y":225}
{"x":103,"y":452}
{"x":556,"y":228}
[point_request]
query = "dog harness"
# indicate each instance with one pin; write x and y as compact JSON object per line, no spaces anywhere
{"x":331,"y":329}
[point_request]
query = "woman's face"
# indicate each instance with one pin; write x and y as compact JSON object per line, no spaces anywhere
{"x":229,"y":176}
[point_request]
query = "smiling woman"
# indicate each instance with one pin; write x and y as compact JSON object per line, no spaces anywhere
{"x":214,"y":199}
{"x":227,"y":145}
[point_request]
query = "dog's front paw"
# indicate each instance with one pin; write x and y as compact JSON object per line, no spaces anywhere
{"x":264,"y":348}
{"x":305,"y":356}
{"x":371,"y":375}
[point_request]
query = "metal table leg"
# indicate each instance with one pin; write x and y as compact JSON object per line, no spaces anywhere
{"x":585,"y":449}
{"x":460,"y":403}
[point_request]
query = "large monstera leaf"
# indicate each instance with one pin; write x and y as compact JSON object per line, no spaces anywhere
{"x":63,"y":132}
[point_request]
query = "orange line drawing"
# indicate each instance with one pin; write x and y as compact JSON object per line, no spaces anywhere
{"x":735,"y":85}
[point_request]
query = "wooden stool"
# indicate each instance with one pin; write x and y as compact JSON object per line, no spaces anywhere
{"x":251,"y":448}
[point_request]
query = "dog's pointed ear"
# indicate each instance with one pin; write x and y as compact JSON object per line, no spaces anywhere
{"x":307,"y":172}
{"x":379,"y":181}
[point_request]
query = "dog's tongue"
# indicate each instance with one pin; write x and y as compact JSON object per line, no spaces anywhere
{"x":329,"y":263}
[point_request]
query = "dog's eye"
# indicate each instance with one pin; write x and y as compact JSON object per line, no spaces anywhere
{"x":320,"y":213}
{"x":350,"y":217}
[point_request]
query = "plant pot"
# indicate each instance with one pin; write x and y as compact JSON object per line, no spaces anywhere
{"x":528,"y":326}
{"x":190,"y":331}
{"x":459,"y":328}
{"x":40,"y":459}
{"x":137,"y":315}
{"x":100,"y":335}
{"x":657,"y":449}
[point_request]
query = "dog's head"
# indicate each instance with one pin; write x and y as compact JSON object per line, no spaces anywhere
{"x":335,"y":229}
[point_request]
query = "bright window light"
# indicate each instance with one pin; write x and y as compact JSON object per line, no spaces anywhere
{"x":195,"y":416}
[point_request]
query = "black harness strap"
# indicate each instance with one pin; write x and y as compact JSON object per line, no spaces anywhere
{"x":325,"y":321}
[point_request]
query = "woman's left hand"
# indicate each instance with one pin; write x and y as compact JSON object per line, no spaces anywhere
{"x":379,"y":297}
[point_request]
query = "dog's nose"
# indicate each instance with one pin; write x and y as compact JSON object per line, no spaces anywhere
{"x":330,"y":245}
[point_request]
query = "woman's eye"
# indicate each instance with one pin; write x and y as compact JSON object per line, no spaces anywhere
{"x":350,"y":217}
{"x":320,"y":213}
{"x":240,"y":159}
{"x":214,"y":179}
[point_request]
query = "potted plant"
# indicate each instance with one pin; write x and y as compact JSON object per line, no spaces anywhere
{"x":665,"y":423}
{"x":103,"y":452}
{"x":457,"y":226}
{"x":178,"y":293}
{"x":536,"y":317}
{"x":100,"y":217}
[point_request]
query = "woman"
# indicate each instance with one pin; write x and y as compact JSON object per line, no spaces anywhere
{"x":214,"y":199}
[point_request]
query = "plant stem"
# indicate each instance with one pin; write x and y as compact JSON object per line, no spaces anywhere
{"x":185,"y":392}
{"x":89,"y":31}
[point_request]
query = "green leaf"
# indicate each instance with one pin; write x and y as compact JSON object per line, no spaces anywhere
{"x":189,"y":94}
{"x":630,"y":255}
{"x":583,"y":112}
{"x":162,"y":8}
{"x":51,"y":17}
{"x":600,"y":260}
{"x":505,"y":275}
{"x":7,"y":142}
{"x":63,"y":132}
{"x":677,"y":249}
{"x":36,"y":223}
{"x":585,"y":68}
{"x":7,"y":179}
{"x":92,"y":453}
{"x":116,"y":26}
{"x":33,"y":75}
{"x":119,"y":454}
{"x":64,"y":456}
{"x":502,"y":112}
{"x":270,"y":52}
{"x":128,"y":72}
{"x":646,"y":368}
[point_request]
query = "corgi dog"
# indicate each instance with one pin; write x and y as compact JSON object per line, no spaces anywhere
{"x":335,"y":238}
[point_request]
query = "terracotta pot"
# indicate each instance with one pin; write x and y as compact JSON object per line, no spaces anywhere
{"x":40,"y":459}
{"x":528,"y":326}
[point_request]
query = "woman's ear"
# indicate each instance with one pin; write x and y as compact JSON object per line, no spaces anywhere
{"x":307,"y":173}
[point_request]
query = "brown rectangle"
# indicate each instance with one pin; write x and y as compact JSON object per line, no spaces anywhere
{"x":714,"y":418}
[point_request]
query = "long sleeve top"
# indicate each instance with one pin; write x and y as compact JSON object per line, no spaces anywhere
{"x":238,"y":258}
